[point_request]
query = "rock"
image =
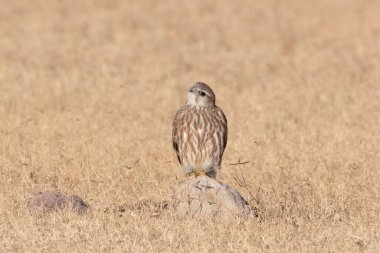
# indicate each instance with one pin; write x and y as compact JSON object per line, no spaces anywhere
{"x":54,"y":201}
{"x":77,"y":204}
{"x":47,"y":201}
{"x":204,"y":197}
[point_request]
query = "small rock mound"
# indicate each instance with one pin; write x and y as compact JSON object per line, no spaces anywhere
{"x":54,"y":201}
{"x":204,"y":197}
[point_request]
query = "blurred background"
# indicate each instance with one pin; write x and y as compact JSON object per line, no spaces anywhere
{"x":89,"y":89}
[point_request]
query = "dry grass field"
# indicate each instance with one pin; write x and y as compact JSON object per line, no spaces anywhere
{"x":89,"y":89}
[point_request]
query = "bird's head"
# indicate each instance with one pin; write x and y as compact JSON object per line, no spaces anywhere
{"x":200,"y":94}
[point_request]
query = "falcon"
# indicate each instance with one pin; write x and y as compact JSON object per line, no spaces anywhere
{"x":200,"y":133}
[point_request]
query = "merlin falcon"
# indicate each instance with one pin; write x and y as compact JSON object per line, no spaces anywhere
{"x":200,"y":133}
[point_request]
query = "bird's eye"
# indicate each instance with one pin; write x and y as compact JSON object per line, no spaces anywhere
{"x":202,"y":93}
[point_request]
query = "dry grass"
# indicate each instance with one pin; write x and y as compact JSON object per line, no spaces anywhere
{"x":88,"y":91}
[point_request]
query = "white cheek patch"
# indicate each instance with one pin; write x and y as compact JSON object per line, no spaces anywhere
{"x":191,"y":99}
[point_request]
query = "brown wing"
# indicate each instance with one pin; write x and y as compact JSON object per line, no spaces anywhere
{"x":177,"y":125}
{"x":223,"y":130}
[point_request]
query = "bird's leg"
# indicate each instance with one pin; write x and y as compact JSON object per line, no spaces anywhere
{"x":190,"y":174}
{"x":201,"y":173}
{"x":196,"y":174}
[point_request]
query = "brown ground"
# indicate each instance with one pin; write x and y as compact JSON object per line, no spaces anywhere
{"x":88,"y":91}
